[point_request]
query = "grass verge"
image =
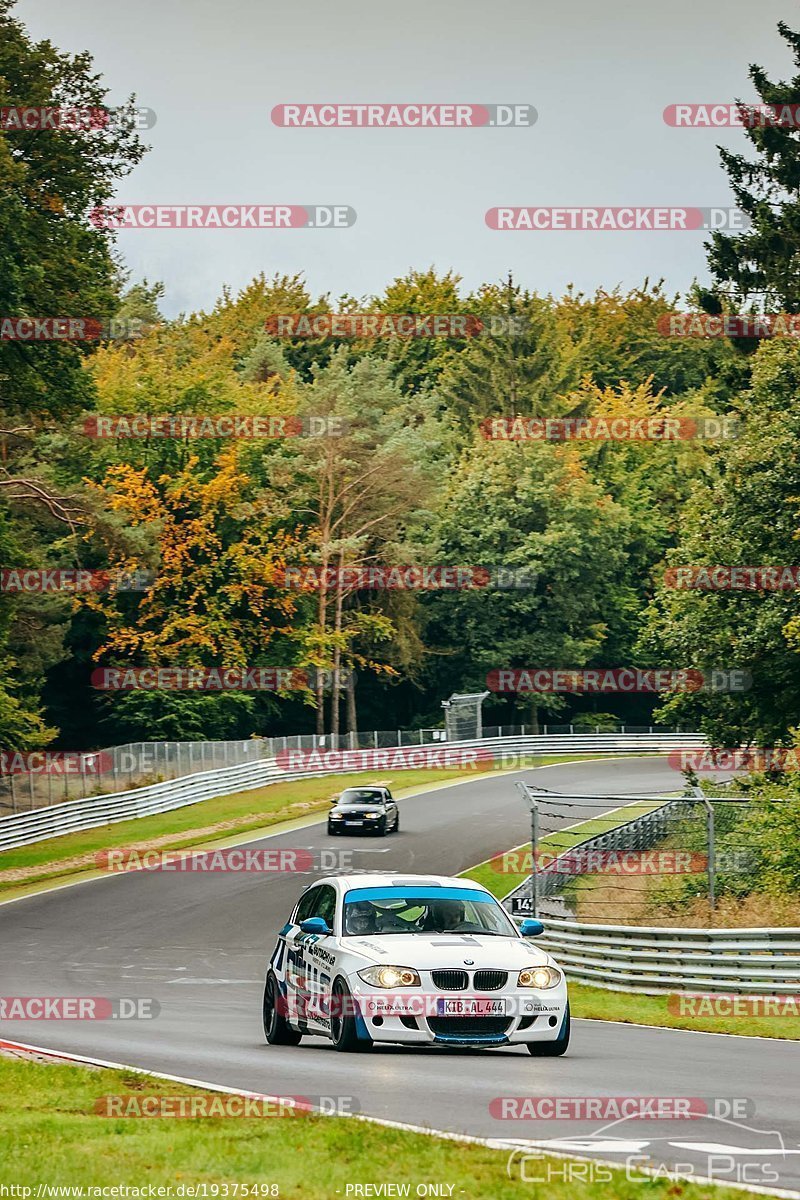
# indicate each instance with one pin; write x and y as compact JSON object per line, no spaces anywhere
{"x":52,"y":1135}
{"x":635,"y":1009}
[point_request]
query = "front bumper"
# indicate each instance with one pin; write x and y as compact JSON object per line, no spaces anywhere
{"x":411,"y":1015}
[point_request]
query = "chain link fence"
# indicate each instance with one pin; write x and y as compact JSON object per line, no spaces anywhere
{"x":136,"y":764}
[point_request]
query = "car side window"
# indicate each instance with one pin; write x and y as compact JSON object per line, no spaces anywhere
{"x":327,"y":905}
{"x":308,"y":905}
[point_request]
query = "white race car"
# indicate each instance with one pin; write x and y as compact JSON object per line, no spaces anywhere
{"x":414,"y":959}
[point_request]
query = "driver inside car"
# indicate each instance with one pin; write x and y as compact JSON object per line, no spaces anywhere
{"x":444,"y":916}
{"x":361,"y":918}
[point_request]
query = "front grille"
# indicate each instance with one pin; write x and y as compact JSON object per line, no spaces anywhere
{"x":450,"y":981}
{"x":465,"y":1026}
{"x":490,"y":981}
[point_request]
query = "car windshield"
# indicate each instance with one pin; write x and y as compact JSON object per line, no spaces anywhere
{"x":359,"y":796}
{"x":378,"y":911}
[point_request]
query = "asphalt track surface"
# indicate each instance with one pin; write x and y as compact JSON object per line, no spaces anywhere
{"x":199,"y":944}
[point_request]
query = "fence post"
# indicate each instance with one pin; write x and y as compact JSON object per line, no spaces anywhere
{"x":712,"y":858}
{"x":534,"y":809}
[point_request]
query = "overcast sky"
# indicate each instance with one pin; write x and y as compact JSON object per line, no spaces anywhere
{"x":599,"y":76}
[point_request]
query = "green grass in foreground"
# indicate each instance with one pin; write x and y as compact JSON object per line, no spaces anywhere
{"x":212,"y":820}
{"x":629,"y":1007}
{"x":50,"y":1134}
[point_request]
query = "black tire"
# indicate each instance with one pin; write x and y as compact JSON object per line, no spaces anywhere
{"x":552,"y":1049}
{"x":343,"y":1023}
{"x":277,"y":1030}
{"x":382,"y":827}
{"x":396,"y":823}
{"x":331,"y":831}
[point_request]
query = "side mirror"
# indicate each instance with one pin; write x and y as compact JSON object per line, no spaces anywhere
{"x":528,"y":928}
{"x":334,"y":800}
{"x":315,"y":925}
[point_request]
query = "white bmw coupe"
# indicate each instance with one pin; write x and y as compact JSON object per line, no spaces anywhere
{"x":413,"y":959}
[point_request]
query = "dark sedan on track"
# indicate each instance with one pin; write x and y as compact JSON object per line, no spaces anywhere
{"x":364,"y":809}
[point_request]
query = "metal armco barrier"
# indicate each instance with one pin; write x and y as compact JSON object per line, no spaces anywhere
{"x":657,"y":959}
{"x":22,"y":829}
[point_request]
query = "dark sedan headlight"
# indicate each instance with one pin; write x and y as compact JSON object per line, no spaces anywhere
{"x":541,"y":978}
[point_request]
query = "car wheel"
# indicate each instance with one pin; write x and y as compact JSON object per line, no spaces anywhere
{"x":344,"y":1033}
{"x":277,"y":1029}
{"x":382,"y":827}
{"x":331,"y":831}
{"x":396,"y":823}
{"x":552,"y":1049}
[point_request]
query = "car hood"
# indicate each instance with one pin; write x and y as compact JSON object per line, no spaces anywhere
{"x":438,"y":950}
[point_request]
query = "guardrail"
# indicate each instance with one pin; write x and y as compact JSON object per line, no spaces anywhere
{"x":22,"y":829}
{"x":655,"y":959}
{"x":658,"y":959}
{"x":135,"y":764}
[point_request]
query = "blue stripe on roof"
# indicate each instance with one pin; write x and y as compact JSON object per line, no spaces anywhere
{"x":418,"y":893}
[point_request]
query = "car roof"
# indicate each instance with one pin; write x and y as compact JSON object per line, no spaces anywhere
{"x":394,"y":878}
{"x":370,"y":787}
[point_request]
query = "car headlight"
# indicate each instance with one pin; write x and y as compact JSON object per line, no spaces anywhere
{"x":539,"y":977}
{"x":337,"y":816}
{"x":372,"y":816}
{"x":390,"y":977}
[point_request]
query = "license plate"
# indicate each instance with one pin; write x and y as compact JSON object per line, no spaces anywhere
{"x":355,"y":822}
{"x":471,"y":1007}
